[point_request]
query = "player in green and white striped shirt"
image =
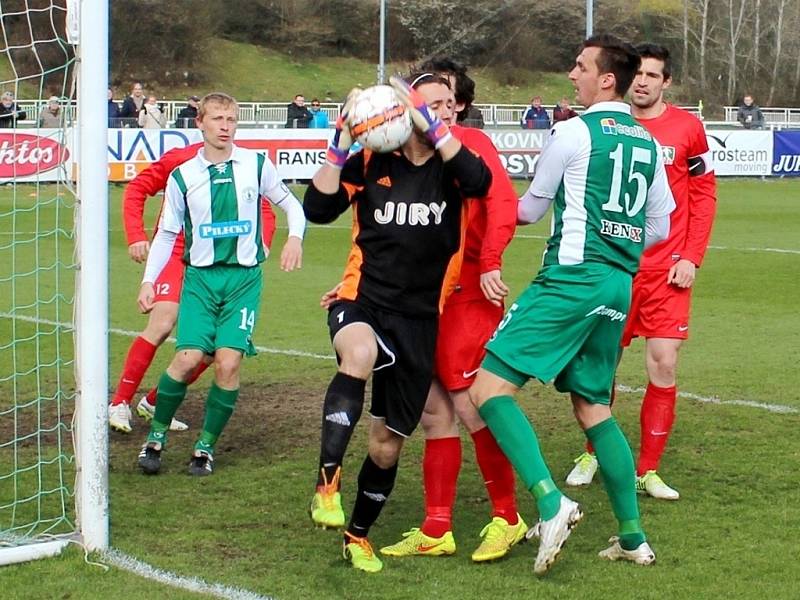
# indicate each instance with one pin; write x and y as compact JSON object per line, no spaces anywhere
{"x":215,"y":198}
{"x":605,"y":177}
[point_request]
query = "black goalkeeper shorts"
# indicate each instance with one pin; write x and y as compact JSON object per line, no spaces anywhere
{"x":403,"y":371}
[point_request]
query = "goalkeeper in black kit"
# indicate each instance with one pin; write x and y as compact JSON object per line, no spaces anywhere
{"x":408,"y":220}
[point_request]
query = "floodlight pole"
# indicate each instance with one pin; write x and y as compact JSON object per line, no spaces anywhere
{"x":382,"y":45}
{"x":589,"y":18}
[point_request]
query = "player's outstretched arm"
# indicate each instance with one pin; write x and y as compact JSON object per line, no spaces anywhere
{"x":272,"y":188}
{"x":331,"y":190}
{"x":327,"y":178}
{"x":138,"y":251}
{"x":466,"y":167}
{"x":159,"y":255}
{"x":426,"y":120}
{"x":702,"y":198}
{"x":170,"y":225}
{"x":500,"y":204}
{"x":682,"y":273}
{"x":133,"y":201}
{"x":493,"y":287}
{"x":565,"y":144}
{"x":532,"y":208}
{"x":702,"y":208}
{"x":280,"y":195}
{"x":331,"y":296}
{"x":292,"y":254}
{"x":147,"y":296}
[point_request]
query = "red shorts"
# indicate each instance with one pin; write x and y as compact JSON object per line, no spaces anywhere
{"x":658,"y":309}
{"x":170,"y":281}
{"x":464,"y":328}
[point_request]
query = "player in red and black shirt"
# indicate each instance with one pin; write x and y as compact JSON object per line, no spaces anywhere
{"x":164,"y":314}
{"x":469,"y":318}
{"x":662,"y":288}
{"x":408,"y":226}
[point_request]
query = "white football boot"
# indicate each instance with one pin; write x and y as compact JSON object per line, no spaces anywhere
{"x":642,"y":555}
{"x":553,"y":533}
{"x":119,"y":417}
{"x":583,"y":471}
{"x":650,"y":483}
{"x":146,"y":411}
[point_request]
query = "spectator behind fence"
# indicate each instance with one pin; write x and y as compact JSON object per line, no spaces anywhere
{"x":536,"y":116}
{"x":186,"y":117}
{"x":113,"y":111}
{"x":749,"y":113}
{"x":474,"y":118}
{"x":563,"y":111}
{"x":319,"y":119}
{"x":151,"y":117}
{"x":297,"y":114}
{"x":9,"y":111}
{"x":132,"y":105}
{"x":51,"y":115}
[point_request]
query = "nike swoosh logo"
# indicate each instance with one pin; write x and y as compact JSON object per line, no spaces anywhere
{"x":683,"y":328}
{"x":427,"y":548}
{"x":659,"y":432}
{"x":467,"y":375}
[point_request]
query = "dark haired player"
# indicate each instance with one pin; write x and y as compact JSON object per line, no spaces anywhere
{"x":605,"y":177}
{"x":662,"y":288}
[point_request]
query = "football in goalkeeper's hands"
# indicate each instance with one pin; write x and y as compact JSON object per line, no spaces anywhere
{"x":379,"y":121}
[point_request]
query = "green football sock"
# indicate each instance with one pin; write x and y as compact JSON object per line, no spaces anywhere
{"x":616,"y":467}
{"x":516,"y":437}
{"x":219,"y":408}
{"x":169,"y":395}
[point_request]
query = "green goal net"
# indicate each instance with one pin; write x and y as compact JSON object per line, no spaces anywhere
{"x":39,"y":266}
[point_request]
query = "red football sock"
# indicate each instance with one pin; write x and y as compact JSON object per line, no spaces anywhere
{"x":656,"y":419}
{"x":440,"y":466}
{"x":151,"y":395}
{"x":137,"y":362}
{"x":498,"y":475}
{"x":201,"y":368}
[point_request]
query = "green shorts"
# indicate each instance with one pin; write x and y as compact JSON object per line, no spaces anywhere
{"x":219,"y":308}
{"x":565,"y":327}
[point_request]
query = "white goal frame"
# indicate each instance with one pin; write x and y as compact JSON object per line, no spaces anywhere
{"x":88,"y":21}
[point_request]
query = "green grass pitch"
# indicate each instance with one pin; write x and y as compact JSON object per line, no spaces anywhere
{"x":733,"y":533}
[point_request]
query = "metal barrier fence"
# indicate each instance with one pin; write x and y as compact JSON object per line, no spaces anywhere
{"x":273,"y":114}
{"x":772,"y":115}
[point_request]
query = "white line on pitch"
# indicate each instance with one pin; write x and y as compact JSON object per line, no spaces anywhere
{"x":191,"y":584}
{"x":773,"y":408}
{"x":778,"y":250}
{"x":531,"y":236}
{"x":130,"y":333}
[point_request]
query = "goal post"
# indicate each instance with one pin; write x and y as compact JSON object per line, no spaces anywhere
{"x":53,"y":279}
{"x":92,"y":281}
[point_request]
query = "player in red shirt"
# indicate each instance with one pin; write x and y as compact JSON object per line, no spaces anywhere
{"x":468,"y":319}
{"x":663,"y":286}
{"x":164,"y":314}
